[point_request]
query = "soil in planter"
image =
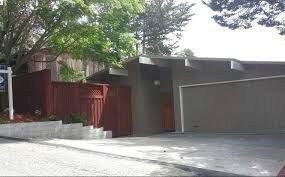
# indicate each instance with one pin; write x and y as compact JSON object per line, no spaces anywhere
{"x":4,"y":118}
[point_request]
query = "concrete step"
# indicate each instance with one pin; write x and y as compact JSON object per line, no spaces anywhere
{"x":67,"y":129}
{"x":74,"y":132}
{"x":87,"y":132}
{"x":71,"y":126}
{"x":101,"y":135}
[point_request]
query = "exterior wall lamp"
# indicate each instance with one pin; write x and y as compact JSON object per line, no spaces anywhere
{"x":156,"y":83}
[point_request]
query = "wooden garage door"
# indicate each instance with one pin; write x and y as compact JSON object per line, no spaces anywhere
{"x":250,"y":106}
{"x":167,"y":111}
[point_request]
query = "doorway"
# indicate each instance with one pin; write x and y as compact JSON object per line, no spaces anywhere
{"x":167,"y":111}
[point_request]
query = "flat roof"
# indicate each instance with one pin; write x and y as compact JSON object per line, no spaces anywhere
{"x":159,"y":60}
{"x":109,"y":71}
{"x":204,"y":59}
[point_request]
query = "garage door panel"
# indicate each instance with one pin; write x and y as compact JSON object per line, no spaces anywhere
{"x":253,"y":106}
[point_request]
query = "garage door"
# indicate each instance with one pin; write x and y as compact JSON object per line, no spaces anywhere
{"x":249,"y":106}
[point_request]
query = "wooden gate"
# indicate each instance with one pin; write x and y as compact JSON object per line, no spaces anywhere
{"x":167,"y":111}
{"x":91,"y":102}
{"x":117,"y":110}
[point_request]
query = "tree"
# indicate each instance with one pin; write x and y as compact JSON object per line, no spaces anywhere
{"x":86,"y":29}
{"x":188,"y":53}
{"x":245,"y":13}
{"x":69,"y":74}
{"x":159,"y":27}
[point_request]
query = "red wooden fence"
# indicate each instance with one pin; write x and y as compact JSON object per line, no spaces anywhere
{"x":31,"y":92}
{"x":104,"y":105}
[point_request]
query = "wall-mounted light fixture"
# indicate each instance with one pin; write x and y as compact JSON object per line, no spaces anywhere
{"x":156,"y":83}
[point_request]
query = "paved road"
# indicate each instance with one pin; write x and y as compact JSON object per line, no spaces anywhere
{"x":33,"y":159}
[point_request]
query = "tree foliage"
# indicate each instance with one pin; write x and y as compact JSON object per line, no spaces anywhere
{"x":159,"y":27}
{"x":188,"y":53}
{"x":246,"y":13}
{"x":68,"y":74}
{"x":86,"y":29}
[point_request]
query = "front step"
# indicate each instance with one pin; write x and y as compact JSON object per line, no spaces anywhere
{"x":53,"y":129}
{"x":85,"y":133}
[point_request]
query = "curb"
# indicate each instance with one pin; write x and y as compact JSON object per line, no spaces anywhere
{"x":15,"y":139}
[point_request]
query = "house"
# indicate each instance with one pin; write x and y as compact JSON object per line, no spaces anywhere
{"x":202,"y":94}
{"x":44,"y":59}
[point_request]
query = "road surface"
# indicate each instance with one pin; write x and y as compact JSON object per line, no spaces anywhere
{"x":34,"y":159}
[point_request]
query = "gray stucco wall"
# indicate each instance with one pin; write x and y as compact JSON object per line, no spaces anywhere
{"x":234,"y":99}
{"x":165,"y":80}
{"x":149,"y":104}
{"x":145,"y":99}
{"x":146,"y":96}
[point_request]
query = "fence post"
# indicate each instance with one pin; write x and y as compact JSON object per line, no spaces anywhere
{"x":105,"y":90}
{"x":104,"y":106}
{"x":10,"y":94}
{"x":48,"y":92}
{"x":78,"y":101}
{"x":118,"y":123}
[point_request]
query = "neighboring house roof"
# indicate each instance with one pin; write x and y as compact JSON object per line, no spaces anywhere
{"x":109,"y":71}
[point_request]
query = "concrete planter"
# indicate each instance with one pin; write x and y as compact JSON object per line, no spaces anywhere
{"x":52,"y":129}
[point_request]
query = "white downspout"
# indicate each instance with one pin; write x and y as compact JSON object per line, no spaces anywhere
{"x":10,"y":94}
{"x":181,"y":109}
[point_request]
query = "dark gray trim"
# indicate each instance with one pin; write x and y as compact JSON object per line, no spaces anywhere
{"x":237,"y":66}
{"x":99,"y":73}
{"x":204,"y":59}
{"x":109,"y":71}
{"x":234,"y":81}
{"x":193,"y":64}
{"x":118,"y":72}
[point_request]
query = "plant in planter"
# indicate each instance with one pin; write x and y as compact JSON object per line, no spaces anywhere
{"x":53,"y":118}
{"x":79,"y":118}
{"x":18,"y":118}
{"x":2,"y":120}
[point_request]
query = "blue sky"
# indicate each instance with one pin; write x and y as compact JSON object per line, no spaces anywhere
{"x":207,"y":39}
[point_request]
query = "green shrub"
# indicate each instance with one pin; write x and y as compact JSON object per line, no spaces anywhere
{"x":3,"y":121}
{"x":79,"y":118}
{"x":53,"y":118}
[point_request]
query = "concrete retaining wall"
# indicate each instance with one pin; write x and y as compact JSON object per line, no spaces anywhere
{"x":52,"y":129}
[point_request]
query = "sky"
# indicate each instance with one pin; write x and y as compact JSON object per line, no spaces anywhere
{"x":207,"y":39}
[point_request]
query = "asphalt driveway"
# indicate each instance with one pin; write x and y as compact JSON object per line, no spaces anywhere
{"x":25,"y":158}
{"x":253,"y":155}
